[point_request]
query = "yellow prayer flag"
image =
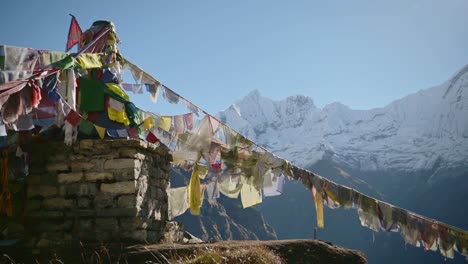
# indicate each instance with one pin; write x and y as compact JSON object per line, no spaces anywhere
{"x":319,"y":209}
{"x":195,"y":193}
{"x":101,"y":131}
{"x":89,"y":60}
{"x":148,"y":123}
{"x":165,"y":123}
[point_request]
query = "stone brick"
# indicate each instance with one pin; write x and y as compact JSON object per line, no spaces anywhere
{"x":104,"y":200}
{"x":95,"y":176}
{"x":121,"y":164}
{"x":132,"y":223}
{"x":107,"y":224}
{"x":126,"y":174}
{"x":53,"y":167}
{"x":126,"y":187}
{"x":46,"y":214}
{"x":34,"y":179}
{"x":78,"y":189}
{"x":127,"y":201}
{"x":127,"y":152}
{"x":80,"y":213}
{"x":79,"y":166}
{"x":117,"y":212}
{"x":70,"y":177}
{"x":42,"y":190}
{"x":135,"y":235}
{"x":86,"y":144}
{"x":84,"y":203}
{"x":58,"y":203}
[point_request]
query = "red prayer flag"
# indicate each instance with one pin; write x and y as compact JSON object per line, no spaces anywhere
{"x":133,"y":133}
{"x":151,"y":138}
{"x":73,"y":118}
{"x":188,"y":120}
{"x":74,"y":34}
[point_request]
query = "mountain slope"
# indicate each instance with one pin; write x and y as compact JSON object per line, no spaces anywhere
{"x":412,"y":153}
{"x":424,"y":130}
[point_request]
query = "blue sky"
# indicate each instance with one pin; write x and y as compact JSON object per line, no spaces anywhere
{"x":363,"y":53}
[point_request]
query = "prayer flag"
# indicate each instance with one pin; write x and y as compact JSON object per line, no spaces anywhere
{"x":133,"y":133}
{"x":148,"y":123}
{"x":86,"y":127}
{"x":170,"y":96}
{"x":73,"y":118}
{"x":101,"y":131}
{"x":153,"y":89}
{"x":214,"y":124}
{"x":318,"y":207}
{"x":165,"y":123}
{"x":74,"y":34}
{"x":151,"y":138}
{"x":179,"y":124}
{"x":188,"y":120}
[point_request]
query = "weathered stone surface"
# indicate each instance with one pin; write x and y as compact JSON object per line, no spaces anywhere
{"x":126,"y":174}
{"x":69,"y":177}
{"x":107,"y":224}
{"x":121,"y":164}
{"x":135,"y":235}
{"x":127,"y":201}
{"x":79,"y":166}
{"x":105,"y":189}
{"x":117,"y":212}
{"x":126,"y":187}
{"x":84,"y":203}
{"x":86,"y":144}
{"x":57,"y":167}
{"x":132,"y":223}
{"x":98,"y":176}
{"x":46,"y":214}
{"x":127,"y":152}
{"x":104,"y":200}
{"x":78,"y":189}
{"x":42,"y":190}
{"x":34,"y":179}
{"x":58,"y":203}
{"x":80,"y":213}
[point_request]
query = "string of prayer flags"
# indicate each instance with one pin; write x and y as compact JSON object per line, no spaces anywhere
{"x":101,"y":131}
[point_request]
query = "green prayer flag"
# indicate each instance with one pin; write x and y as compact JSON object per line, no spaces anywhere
{"x":66,"y":63}
{"x":91,"y":95}
{"x":86,"y":127}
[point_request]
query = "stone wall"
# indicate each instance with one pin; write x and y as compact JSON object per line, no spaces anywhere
{"x":99,"y":190}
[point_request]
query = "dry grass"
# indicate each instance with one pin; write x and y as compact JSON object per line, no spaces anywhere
{"x":215,"y":255}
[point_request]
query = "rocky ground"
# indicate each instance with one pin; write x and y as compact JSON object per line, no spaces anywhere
{"x":289,"y":251}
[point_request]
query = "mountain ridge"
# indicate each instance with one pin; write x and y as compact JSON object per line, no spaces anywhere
{"x":422,"y":130}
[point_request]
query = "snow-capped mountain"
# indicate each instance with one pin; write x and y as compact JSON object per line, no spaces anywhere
{"x":427,"y":130}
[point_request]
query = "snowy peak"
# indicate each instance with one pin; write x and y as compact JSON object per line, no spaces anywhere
{"x":419,"y":131}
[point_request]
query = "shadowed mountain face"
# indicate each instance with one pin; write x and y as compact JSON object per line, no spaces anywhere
{"x":412,"y":153}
